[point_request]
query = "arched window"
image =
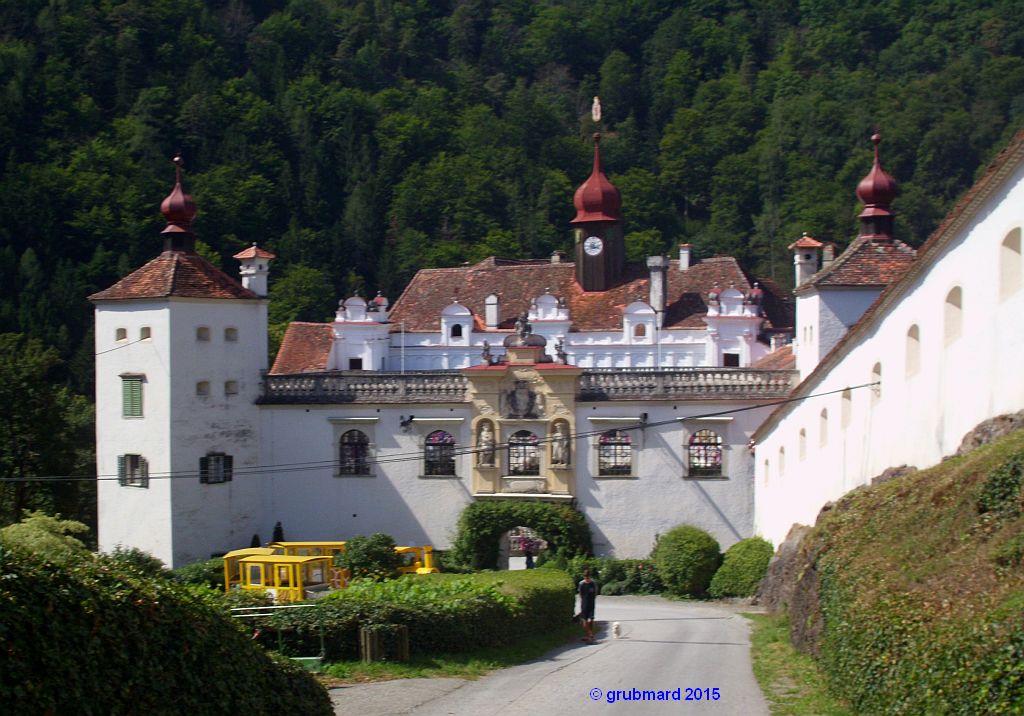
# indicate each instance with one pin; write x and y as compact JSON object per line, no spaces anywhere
{"x":1009,"y":264}
{"x":354,"y":454}
{"x":876,"y":379}
{"x":913,"y":350}
{"x":803,"y":443}
{"x":705,"y":452}
{"x":523,"y":454}
{"x":639,"y":330}
{"x":456,"y":330}
{"x":615,"y":453}
{"x":121,"y":334}
{"x":767,"y":467}
{"x":954,"y":314}
{"x":823,"y":428}
{"x":439,"y":454}
{"x":847,"y":411}
{"x":782,"y":462}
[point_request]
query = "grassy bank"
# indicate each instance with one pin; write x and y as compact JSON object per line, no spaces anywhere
{"x":793,"y":683}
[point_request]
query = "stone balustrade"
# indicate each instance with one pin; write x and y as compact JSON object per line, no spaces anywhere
{"x":684,"y":384}
{"x":365,"y":387}
{"x":596,"y":384}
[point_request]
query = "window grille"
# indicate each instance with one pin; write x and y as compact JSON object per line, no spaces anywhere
{"x":523,"y":454}
{"x":354,"y":454}
{"x":615,"y":453}
{"x":216,"y":467}
{"x":439,"y":454}
{"x":132,"y":471}
{"x":705,"y":454}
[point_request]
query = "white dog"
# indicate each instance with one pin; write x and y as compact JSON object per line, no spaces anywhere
{"x":616,"y":630}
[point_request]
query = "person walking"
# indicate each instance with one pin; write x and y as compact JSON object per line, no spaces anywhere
{"x":587,"y":590}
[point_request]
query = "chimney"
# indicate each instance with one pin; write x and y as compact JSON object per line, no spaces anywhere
{"x":491,"y":313}
{"x":657,"y":265}
{"x":254,"y":268}
{"x":557,"y":257}
{"x":828,"y":255}
{"x":805,"y":258}
{"x":684,"y":256}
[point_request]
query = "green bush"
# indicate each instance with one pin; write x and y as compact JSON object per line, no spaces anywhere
{"x":742,"y":569}
{"x":47,"y":536}
{"x":1001,"y":492}
{"x":613,"y":576}
{"x":139,"y":561}
{"x":97,"y":637}
{"x":210,"y":573}
{"x":372,"y":557}
{"x":687,"y":558}
{"x":445,"y":613}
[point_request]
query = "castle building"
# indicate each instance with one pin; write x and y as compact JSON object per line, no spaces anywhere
{"x":901,"y":353}
{"x":629,"y":391}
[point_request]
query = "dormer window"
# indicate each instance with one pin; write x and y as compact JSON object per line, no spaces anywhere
{"x":456,"y":331}
{"x":639,"y":331}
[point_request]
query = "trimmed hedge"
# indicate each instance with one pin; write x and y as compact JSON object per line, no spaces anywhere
{"x":445,"y":613}
{"x":613,"y":576}
{"x":687,"y":558}
{"x":481,"y":525}
{"x":742,"y":569}
{"x":98,"y":636}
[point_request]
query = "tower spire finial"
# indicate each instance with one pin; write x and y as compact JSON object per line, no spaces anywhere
{"x":876,"y":191}
{"x":179,"y":209}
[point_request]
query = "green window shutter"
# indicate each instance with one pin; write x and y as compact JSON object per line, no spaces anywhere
{"x":143,"y":472}
{"x":131,"y":397}
{"x":204,"y":469}
{"x":122,"y":472}
{"x":229,"y":467}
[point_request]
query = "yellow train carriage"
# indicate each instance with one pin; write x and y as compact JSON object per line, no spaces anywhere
{"x":286,"y":578}
{"x":232,"y":573}
{"x":339,"y":578}
{"x":417,"y":560}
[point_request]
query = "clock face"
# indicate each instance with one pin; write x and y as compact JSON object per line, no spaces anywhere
{"x":593,"y":245}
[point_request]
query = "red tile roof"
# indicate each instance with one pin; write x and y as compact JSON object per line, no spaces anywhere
{"x":805,"y":242}
{"x":868,"y":261}
{"x":517,"y":283}
{"x":779,"y":359}
{"x":305,"y":348}
{"x":175,"y":273}
{"x":254,"y":252}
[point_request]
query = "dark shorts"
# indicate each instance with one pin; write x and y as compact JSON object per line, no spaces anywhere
{"x":587,"y":611}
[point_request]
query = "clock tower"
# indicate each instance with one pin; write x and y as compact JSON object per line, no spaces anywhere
{"x":597,"y":228}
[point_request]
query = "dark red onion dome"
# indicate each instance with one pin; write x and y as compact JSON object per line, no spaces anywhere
{"x":178,"y":208}
{"x":878,"y":188}
{"x":597,"y":199}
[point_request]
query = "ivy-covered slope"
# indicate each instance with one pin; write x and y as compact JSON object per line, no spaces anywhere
{"x":920,"y":588}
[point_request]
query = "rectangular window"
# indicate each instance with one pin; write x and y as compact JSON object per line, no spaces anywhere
{"x":355,"y":363}
{"x":216,"y":467}
{"x":131,"y":396}
{"x":132,"y":471}
{"x":731,"y":360}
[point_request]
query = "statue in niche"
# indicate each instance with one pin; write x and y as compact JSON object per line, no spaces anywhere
{"x":485,"y":445}
{"x":486,"y":354}
{"x":560,"y":353}
{"x":522,"y":402}
{"x":523,"y":327}
{"x":560,"y":444}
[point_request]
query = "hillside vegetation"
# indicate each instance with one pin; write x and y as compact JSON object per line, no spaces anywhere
{"x":361,"y":141}
{"x":911,"y":593}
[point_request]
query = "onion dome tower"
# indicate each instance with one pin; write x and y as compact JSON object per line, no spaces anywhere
{"x":876,"y":191}
{"x":597,"y":228}
{"x":179,"y":209}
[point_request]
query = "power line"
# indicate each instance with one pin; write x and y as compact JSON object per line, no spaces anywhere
{"x":260,"y":470}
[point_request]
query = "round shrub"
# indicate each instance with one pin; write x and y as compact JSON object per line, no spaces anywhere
{"x":742,"y":569}
{"x":372,"y":557}
{"x":686,"y":558}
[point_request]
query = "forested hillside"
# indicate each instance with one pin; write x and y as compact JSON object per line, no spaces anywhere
{"x":361,"y":140}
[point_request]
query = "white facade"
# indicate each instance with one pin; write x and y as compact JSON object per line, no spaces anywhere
{"x":945,"y":344}
{"x":200,"y":369}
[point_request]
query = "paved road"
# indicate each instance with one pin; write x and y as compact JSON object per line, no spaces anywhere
{"x":664,"y":646}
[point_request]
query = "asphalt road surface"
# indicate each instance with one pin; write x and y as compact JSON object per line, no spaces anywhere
{"x":685,"y":658}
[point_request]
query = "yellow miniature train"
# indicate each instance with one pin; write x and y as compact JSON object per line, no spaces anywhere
{"x":297,"y":571}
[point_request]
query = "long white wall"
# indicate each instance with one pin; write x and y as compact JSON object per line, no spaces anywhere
{"x":923,"y":407}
